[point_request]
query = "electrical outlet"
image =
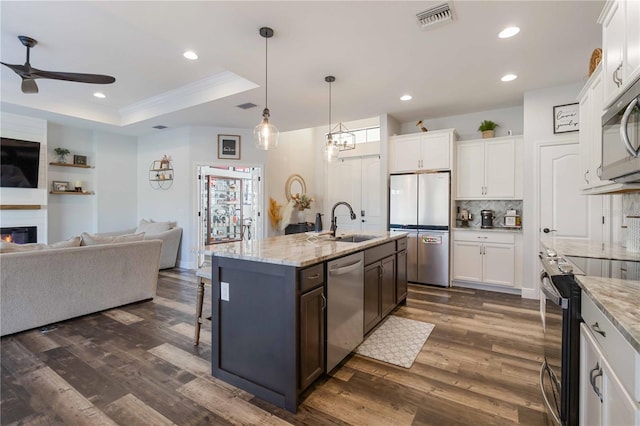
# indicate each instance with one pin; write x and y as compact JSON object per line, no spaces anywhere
{"x":224,"y":291}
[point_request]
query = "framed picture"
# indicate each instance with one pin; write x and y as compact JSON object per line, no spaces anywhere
{"x":566,"y":118}
{"x":229,"y":147}
{"x":80,"y":159}
{"x":59,"y":186}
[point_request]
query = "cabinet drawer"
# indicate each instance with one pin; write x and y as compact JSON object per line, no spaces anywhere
{"x":311,"y":277}
{"x":485,"y":237}
{"x":401,"y":244}
{"x":624,"y":360}
{"x":376,"y":253}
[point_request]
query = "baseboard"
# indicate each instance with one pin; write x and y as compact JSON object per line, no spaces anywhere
{"x":487,"y":287}
{"x":530,"y":293}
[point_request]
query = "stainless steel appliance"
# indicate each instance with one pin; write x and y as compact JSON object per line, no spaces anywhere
{"x":559,"y":374}
{"x":487,"y":219}
{"x":621,"y":138}
{"x":419,"y":204}
{"x":560,"y":370}
{"x":345,"y":307}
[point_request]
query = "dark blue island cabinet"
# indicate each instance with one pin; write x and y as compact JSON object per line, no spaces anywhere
{"x":268,"y":327}
{"x":269,"y":304}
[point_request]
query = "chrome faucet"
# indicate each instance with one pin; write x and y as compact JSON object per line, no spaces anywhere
{"x":334,"y":225}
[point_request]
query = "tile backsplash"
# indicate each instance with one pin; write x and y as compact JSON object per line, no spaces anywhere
{"x":499,"y":208}
{"x":631,"y":204}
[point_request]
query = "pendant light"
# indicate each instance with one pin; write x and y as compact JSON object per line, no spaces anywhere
{"x":266,"y":134}
{"x":339,"y":138}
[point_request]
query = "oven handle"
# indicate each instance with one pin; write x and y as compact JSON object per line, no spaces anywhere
{"x":550,"y":291}
{"x":634,"y":152}
{"x":550,"y":410}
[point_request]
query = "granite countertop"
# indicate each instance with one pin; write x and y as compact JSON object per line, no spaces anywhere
{"x":495,"y":229}
{"x":297,"y":249}
{"x":618,"y":299}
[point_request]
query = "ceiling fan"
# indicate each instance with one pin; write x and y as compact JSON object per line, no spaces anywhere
{"x":30,"y":74}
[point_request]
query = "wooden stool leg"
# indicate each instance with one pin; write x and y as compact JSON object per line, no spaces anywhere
{"x":196,"y":338}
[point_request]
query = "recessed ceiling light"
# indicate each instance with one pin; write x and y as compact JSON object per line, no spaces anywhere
{"x":509,"y":77}
{"x":190,"y":54}
{"x":100,"y":95}
{"x":406,"y":97}
{"x":509,"y":32}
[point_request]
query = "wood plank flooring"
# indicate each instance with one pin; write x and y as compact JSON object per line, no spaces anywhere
{"x":136,"y":365}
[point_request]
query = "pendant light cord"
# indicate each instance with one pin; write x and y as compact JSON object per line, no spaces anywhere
{"x":266,"y":68}
{"x":329,"y":108}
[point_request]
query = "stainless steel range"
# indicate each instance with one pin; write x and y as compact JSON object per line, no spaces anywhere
{"x":560,"y":370}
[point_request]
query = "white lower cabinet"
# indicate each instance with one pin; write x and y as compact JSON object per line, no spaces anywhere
{"x":609,"y":367}
{"x":485,"y":257}
{"x":603,"y":398}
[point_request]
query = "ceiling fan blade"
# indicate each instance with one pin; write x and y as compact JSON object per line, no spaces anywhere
{"x":71,"y":76}
{"x":29,"y":86}
{"x":18,"y":69}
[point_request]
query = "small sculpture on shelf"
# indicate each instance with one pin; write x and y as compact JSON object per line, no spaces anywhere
{"x":421,"y":127}
{"x":164,"y":162}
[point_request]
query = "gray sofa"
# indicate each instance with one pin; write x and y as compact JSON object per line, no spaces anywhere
{"x":42,"y":287}
{"x":170,"y":243}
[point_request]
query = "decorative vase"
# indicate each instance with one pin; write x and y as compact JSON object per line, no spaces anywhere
{"x":488,"y":134}
{"x":302,"y":217}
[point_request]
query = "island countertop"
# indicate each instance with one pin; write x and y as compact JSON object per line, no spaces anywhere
{"x":297,"y":249}
{"x":618,"y":299}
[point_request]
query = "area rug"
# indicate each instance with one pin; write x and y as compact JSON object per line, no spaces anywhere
{"x":397,"y":341}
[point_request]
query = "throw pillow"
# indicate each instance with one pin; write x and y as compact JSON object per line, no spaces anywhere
{"x":153,"y":228}
{"x":172,"y":223}
{"x":93,"y":240}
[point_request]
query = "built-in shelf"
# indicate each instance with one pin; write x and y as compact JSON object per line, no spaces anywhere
{"x":70,"y":193}
{"x":80,"y":166}
{"x":20,"y":207}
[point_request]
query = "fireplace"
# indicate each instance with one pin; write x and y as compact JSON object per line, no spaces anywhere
{"x":20,"y":234}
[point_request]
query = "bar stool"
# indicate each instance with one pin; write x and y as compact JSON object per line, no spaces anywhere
{"x":204,"y":277}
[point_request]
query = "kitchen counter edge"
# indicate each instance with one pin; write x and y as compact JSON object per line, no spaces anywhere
{"x":298,"y":250}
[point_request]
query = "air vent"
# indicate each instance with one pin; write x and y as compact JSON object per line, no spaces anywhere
{"x":160,"y":127}
{"x":439,"y":14}
{"x":247,"y":105}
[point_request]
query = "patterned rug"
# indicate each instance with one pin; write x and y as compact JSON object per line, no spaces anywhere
{"x":397,"y":341}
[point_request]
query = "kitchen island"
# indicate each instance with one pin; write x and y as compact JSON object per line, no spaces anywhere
{"x":270,"y":301}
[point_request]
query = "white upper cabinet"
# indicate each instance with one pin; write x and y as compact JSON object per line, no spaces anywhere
{"x":620,"y":45}
{"x":421,"y":151}
{"x":591,"y":102}
{"x":489,"y":169}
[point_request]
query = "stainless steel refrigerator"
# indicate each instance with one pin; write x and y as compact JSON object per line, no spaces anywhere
{"x":419,"y":204}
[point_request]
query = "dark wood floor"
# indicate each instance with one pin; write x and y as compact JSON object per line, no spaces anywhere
{"x":137,"y":366}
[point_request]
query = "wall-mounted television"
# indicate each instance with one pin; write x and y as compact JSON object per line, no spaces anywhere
{"x":19,"y":163}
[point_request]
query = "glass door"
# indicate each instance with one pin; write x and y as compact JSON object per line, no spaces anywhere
{"x":224,"y":218}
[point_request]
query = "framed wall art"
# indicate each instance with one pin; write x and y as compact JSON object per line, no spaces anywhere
{"x":566,"y":118}
{"x":59,"y":186}
{"x":229,"y":147}
{"x":80,"y":160}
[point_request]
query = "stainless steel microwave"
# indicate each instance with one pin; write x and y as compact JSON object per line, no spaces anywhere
{"x":621,"y":138}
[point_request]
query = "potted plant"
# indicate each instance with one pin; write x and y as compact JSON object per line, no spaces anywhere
{"x":62,"y":154}
{"x":487,"y":127}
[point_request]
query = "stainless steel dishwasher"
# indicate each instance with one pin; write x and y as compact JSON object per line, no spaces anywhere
{"x":345,"y":305}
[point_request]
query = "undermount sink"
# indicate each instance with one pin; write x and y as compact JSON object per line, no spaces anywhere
{"x":355,"y":238}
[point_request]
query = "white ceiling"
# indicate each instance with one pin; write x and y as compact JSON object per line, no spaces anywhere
{"x":376,"y":50}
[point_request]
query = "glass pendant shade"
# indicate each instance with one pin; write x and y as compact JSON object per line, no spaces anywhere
{"x":266,"y":134}
{"x":331,"y":150}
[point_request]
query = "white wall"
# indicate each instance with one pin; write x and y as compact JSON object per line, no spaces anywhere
{"x":174,"y":203}
{"x":70,"y":215}
{"x":115,"y":177}
{"x":538,"y":128}
{"x":297,"y":153}
{"x":466,"y":125}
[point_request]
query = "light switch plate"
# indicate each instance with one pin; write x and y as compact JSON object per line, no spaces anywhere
{"x":224,"y":291}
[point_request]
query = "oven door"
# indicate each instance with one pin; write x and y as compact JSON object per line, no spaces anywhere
{"x":555,"y":312}
{"x":621,"y":138}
